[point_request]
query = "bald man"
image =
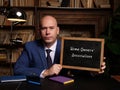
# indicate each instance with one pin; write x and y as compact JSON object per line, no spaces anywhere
{"x":32,"y":61}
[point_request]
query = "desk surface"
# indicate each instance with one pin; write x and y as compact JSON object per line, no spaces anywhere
{"x":81,"y":83}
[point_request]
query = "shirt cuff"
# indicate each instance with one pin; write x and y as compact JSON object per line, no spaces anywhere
{"x":41,"y":75}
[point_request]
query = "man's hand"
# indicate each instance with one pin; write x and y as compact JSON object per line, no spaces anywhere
{"x":54,"y":70}
{"x":103,"y":66}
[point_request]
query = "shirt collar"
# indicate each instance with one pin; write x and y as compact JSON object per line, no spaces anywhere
{"x":53,"y":47}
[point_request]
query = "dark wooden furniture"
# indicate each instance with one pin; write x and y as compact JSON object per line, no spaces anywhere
{"x":80,"y":17}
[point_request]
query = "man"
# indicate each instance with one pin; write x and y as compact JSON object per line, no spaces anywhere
{"x":32,"y":61}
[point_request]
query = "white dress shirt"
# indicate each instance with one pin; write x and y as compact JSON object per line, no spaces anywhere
{"x":52,"y":54}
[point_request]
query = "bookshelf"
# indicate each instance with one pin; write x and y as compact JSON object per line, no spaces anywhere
{"x":10,"y":51}
{"x":90,"y":22}
{"x":75,"y":3}
{"x":25,"y":31}
{"x":85,"y":17}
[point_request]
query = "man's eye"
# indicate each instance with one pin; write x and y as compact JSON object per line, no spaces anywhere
{"x":43,"y":28}
{"x":51,"y":27}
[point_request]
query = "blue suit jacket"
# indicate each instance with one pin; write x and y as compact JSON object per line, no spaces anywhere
{"x":32,"y":60}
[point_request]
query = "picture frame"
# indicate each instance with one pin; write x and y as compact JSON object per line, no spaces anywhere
{"x":82,"y":53}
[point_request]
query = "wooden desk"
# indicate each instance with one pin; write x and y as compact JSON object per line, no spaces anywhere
{"x":81,"y":83}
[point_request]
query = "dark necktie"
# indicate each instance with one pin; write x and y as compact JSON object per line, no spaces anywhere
{"x":49,"y":61}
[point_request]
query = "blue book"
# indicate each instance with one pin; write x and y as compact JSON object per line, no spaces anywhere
{"x":33,"y":80}
{"x":12,"y":78}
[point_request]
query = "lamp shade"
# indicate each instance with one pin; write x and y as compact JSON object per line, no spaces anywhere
{"x":16,"y":15}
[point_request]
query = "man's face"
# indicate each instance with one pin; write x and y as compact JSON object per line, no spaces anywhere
{"x":49,"y":30}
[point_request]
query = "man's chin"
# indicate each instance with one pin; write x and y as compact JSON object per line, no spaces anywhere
{"x":48,"y":41}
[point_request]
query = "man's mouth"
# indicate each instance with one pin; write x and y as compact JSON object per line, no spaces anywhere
{"x":47,"y":38}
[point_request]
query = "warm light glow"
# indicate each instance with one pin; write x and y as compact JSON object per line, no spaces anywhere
{"x":13,"y":19}
{"x":16,"y":15}
{"x":19,"y":13}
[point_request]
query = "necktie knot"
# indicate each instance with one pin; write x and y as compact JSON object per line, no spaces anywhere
{"x":48,"y":51}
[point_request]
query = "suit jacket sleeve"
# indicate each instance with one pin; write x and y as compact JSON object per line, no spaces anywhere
{"x":31,"y":61}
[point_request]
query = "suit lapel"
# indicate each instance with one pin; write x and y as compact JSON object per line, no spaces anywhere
{"x":42,"y":54}
{"x":57,"y":53}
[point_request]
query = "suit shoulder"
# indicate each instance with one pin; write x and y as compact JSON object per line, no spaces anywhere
{"x":33,"y":43}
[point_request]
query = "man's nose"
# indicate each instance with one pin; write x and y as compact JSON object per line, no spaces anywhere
{"x":47,"y":30}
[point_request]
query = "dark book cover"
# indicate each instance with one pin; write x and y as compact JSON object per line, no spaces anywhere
{"x":62,"y":79}
{"x":65,"y":3}
{"x":12,"y":78}
{"x":33,"y":80}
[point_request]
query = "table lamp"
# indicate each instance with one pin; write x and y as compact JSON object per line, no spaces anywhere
{"x":16,"y":16}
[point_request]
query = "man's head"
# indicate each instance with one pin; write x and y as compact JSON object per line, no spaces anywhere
{"x":49,"y":30}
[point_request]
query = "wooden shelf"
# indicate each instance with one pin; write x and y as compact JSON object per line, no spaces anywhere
{"x":77,"y":16}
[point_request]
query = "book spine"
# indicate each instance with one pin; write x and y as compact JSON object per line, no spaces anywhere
{"x":67,"y":82}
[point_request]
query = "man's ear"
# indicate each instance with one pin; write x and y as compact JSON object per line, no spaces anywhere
{"x":58,"y":30}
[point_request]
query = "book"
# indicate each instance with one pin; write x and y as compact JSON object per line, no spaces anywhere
{"x":116,"y":77}
{"x":98,"y":3}
{"x":33,"y":80}
{"x":62,"y":79}
{"x":12,"y":78}
{"x":65,"y":3}
{"x":105,"y":6}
